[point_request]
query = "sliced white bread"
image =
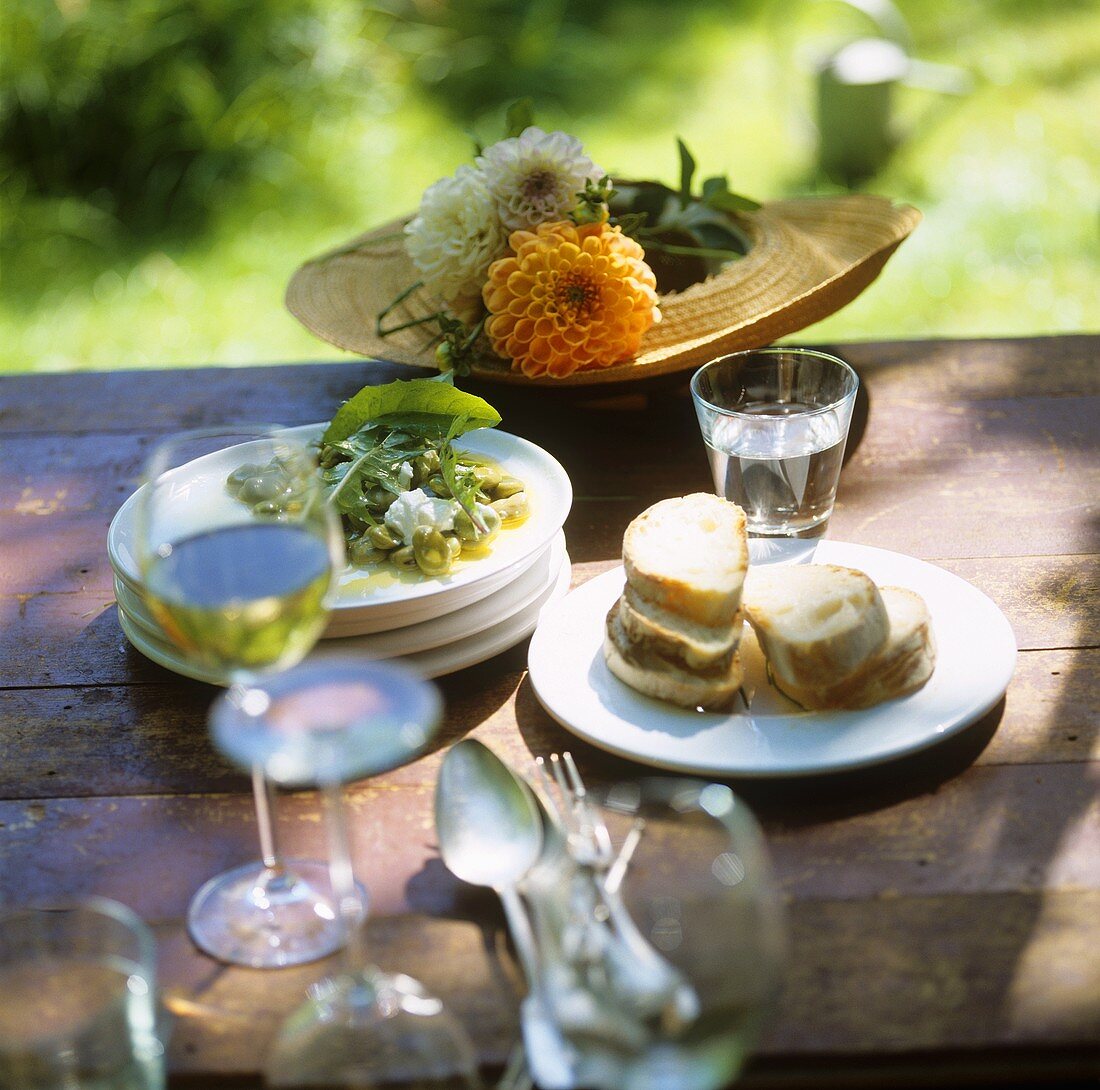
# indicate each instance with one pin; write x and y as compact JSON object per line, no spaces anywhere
{"x":903,"y":665}
{"x":696,"y":645}
{"x":817,"y":623}
{"x":689,"y":556}
{"x":647,"y":672}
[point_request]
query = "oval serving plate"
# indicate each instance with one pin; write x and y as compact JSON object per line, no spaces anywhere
{"x":381,"y":601}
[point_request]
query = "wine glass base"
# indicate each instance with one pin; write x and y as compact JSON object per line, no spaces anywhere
{"x":247,"y":916}
{"x":372,"y":1029}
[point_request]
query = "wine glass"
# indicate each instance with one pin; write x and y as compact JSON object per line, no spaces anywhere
{"x":326,"y":722}
{"x":237,"y":550}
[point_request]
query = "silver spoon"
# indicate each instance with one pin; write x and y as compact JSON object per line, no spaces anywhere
{"x":490,"y":834}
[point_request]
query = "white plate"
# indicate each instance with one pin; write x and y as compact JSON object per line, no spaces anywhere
{"x":366,"y":603}
{"x":469,"y":621}
{"x":462,"y":652}
{"x":975,"y":657}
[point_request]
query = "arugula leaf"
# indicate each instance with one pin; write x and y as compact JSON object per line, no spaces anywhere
{"x":459,"y":479}
{"x":409,"y":401}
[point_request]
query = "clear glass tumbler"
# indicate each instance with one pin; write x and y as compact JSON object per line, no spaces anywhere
{"x":78,"y":1007}
{"x":775,"y":422}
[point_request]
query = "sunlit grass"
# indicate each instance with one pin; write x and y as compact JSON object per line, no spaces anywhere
{"x":1006,"y":177}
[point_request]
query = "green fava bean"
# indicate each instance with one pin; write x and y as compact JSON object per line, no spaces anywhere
{"x":487,"y":477}
{"x":381,"y":538}
{"x":240,"y":475}
{"x":433,"y":554}
{"x":514,"y":507}
{"x":267,"y":509}
{"x":380,"y":498}
{"x":266,"y":487}
{"x":404,"y":557}
{"x":426,"y":466}
{"x":361,"y":552}
{"x":469,"y":534}
{"x":439,"y":486}
{"x":508,"y":486}
{"x":454,"y":544}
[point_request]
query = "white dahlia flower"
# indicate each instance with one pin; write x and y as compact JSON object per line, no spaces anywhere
{"x":535,"y":177}
{"x":456,"y":234}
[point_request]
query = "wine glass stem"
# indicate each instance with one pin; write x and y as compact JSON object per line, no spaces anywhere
{"x":342,"y":876}
{"x":264,"y":792}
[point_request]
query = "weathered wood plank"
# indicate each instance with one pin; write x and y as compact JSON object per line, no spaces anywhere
{"x":152,"y":739}
{"x":1049,"y":601}
{"x":976,"y":369}
{"x":920,"y":371}
{"x":910,"y":978}
{"x":74,"y":638}
{"x":1010,"y":829}
{"x":165,"y":401}
{"x":940,"y":483}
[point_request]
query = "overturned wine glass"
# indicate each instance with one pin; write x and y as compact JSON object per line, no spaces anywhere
{"x":325,"y":723}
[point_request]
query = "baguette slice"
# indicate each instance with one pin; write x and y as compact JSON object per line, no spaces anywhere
{"x":901,"y":667}
{"x":689,"y":556}
{"x":647,"y":672}
{"x":817,"y":624}
{"x":695,"y":645}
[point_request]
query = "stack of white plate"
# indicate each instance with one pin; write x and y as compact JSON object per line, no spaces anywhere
{"x":439,"y":625}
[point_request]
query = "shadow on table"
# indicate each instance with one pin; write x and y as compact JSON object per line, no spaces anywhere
{"x":797,"y":800}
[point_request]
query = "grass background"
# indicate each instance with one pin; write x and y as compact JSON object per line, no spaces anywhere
{"x":337,"y":116}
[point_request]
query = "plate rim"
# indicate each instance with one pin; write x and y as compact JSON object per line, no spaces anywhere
{"x":481,"y":646}
{"x":1001,"y":638}
{"x":132,"y":605}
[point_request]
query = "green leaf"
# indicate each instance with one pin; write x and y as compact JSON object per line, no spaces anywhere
{"x":717,"y":194}
{"x":641,"y":197}
{"x":460,"y":480}
{"x":687,"y":172}
{"x":520,"y":116}
{"x":415,"y":398}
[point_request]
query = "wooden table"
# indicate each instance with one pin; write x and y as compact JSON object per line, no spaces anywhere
{"x":944,"y":909}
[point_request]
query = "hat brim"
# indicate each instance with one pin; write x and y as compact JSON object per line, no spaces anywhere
{"x":808,"y":258}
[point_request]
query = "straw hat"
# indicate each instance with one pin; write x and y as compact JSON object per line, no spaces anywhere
{"x":809,"y":257}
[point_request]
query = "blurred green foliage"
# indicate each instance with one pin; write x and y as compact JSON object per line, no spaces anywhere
{"x":578,"y":56}
{"x":150,"y":110}
{"x":165,"y":164}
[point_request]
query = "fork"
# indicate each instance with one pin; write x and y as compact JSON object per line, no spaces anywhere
{"x":636,"y":971}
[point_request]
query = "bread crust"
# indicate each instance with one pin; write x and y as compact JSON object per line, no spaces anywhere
{"x":646,"y":672}
{"x":693,"y":645}
{"x":903,"y":666}
{"x":817,"y":624}
{"x":689,"y":555}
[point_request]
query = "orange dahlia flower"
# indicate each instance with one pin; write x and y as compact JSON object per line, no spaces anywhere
{"x":569,"y":298}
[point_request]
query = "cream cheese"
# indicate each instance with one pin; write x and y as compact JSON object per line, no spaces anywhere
{"x":417,"y":508}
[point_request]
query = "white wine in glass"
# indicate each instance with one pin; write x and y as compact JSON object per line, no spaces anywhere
{"x":237,"y":550}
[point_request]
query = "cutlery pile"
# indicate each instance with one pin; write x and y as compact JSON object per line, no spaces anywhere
{"x":604,"y":1007}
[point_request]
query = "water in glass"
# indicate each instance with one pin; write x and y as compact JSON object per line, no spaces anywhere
{"x":780,"y":462}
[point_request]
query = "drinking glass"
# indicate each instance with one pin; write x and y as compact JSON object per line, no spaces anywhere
{"x":78,"y":1007}
{"x":775,"y":421}
{"x":324,"y":723}
{"x":237,"y":550}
